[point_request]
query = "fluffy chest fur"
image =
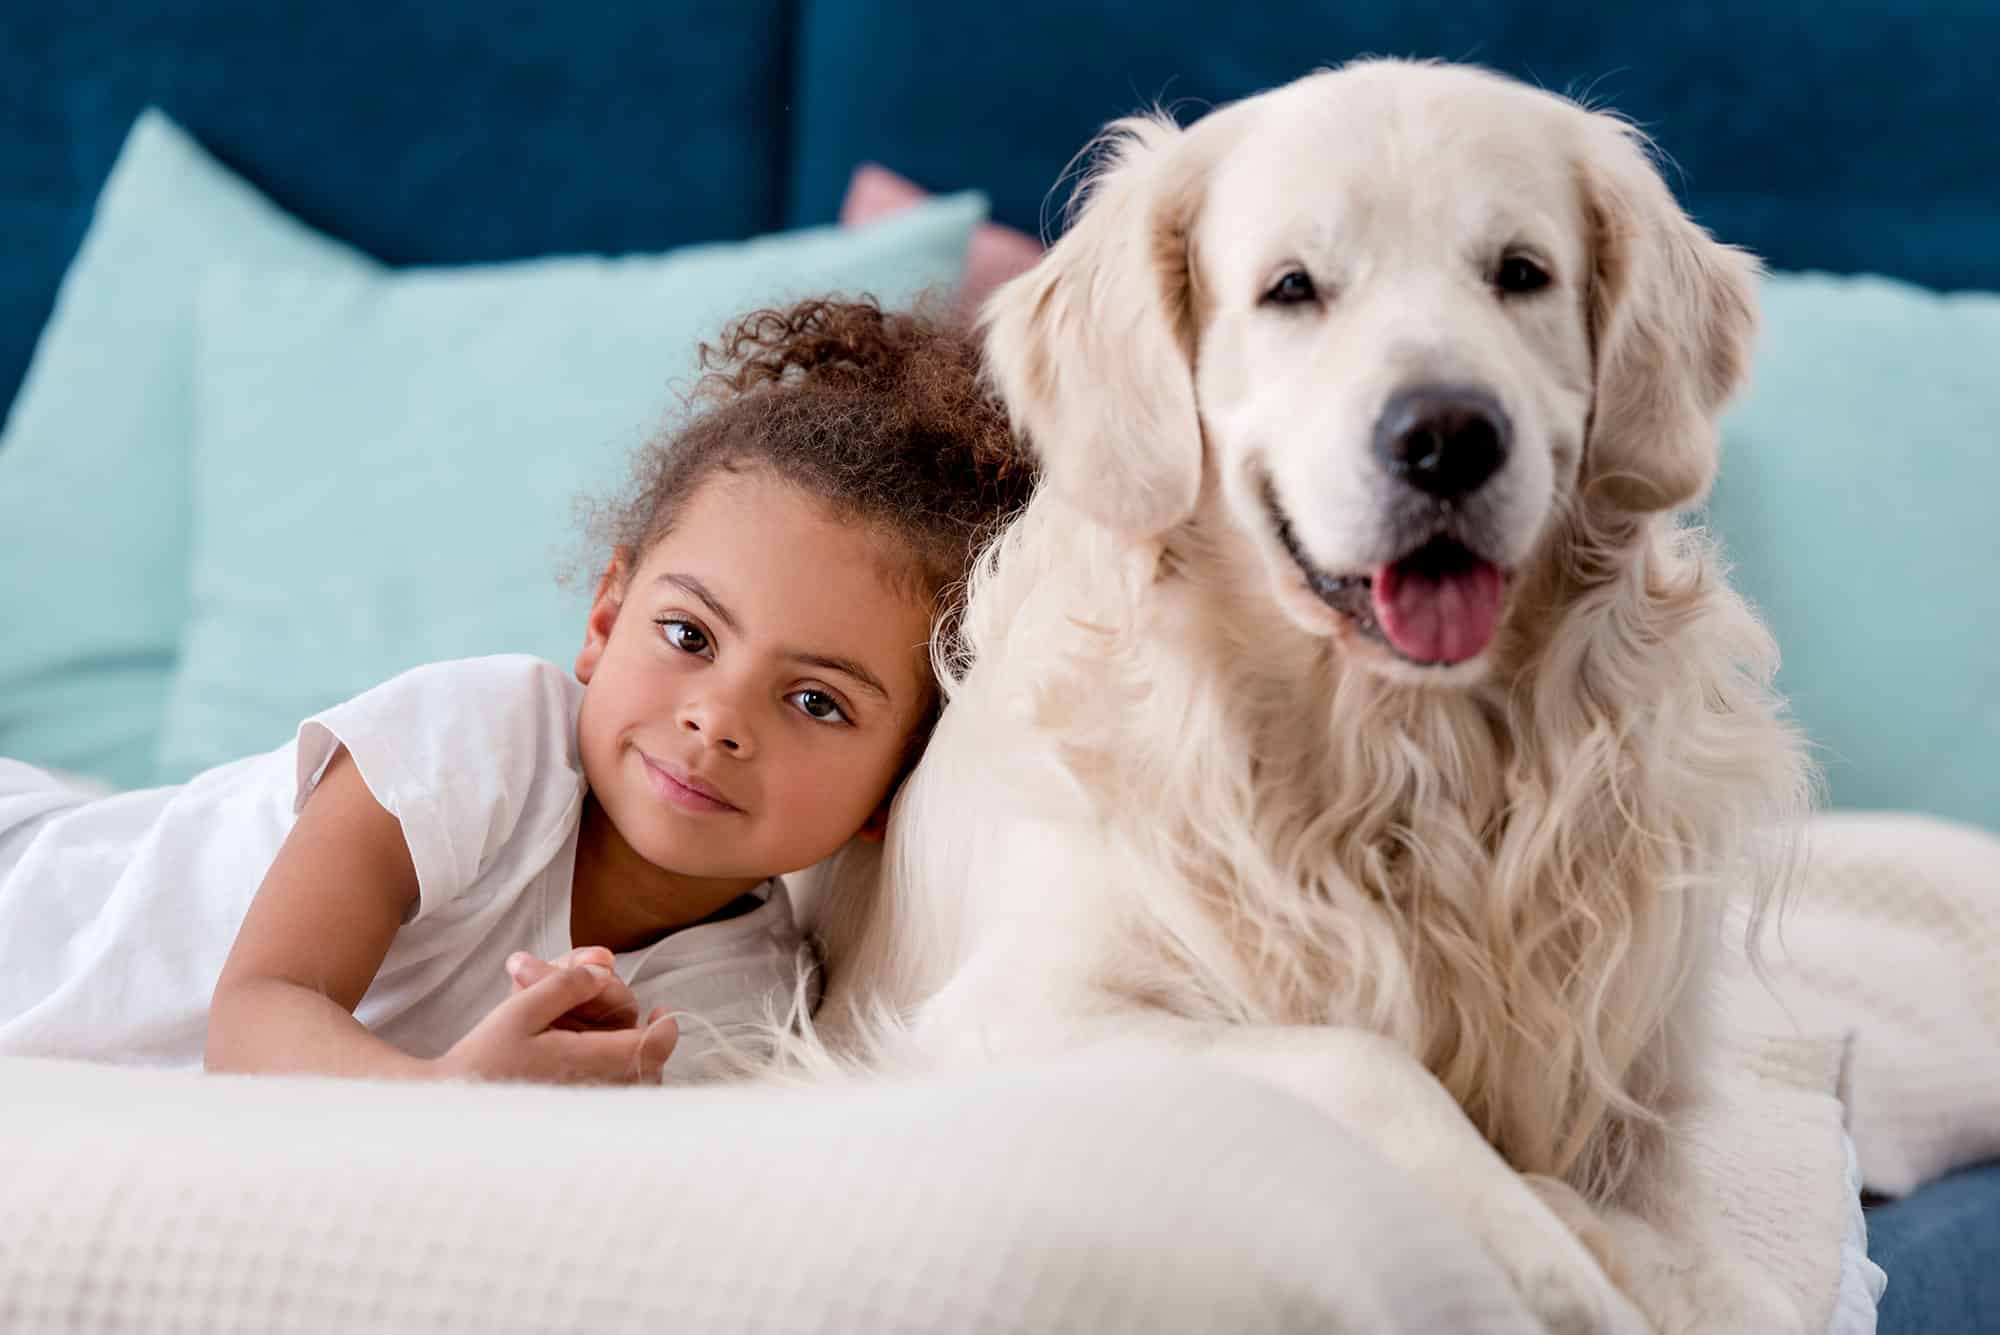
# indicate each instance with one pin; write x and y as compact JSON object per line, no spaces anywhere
{"x":1519,"y":883}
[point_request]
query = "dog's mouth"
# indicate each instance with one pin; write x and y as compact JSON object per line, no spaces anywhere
{"x":1435,"y":605}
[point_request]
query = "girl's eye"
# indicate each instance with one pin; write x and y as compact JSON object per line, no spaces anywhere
{"x":820,"y":706}
{"x":684,"y":635}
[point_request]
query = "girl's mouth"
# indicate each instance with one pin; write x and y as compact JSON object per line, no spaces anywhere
{"x":684,"y":789}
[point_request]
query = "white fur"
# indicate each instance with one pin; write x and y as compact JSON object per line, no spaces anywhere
{"x":1174,"y":792}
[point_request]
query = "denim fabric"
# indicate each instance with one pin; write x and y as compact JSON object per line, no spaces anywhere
{"x":1941,"y":1248}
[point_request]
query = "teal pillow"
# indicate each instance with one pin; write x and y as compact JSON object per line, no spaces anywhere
{"x":94,"y":459}
{"x":1859,"y":489}
{"x":387,"y":465}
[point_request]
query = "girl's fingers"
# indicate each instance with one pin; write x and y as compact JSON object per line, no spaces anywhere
{"x":621,"y":1057}
{"x":541,"y":1003}
{"x":526,"y":970}
{"x":656,"y":1044}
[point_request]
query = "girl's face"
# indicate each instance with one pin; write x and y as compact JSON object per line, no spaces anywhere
{"x":751,"y":685}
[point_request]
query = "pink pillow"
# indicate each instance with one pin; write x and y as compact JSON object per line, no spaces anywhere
{"x":996,"y":254}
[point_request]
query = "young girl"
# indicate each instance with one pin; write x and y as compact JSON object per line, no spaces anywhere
{"x":489,"y":868}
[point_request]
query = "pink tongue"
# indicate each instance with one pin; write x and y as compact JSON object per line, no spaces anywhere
{"x":1438,"y":618}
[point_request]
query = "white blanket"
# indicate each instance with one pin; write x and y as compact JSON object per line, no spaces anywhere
{"x":1775,"y":1167}
{"x":1882,"y":1004}
{"x":1135,"y":1194}
{"x":1895,"y":942}
{"x":1145,"y":1193}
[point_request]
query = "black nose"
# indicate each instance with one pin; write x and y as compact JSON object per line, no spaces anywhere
{"x":1442,"y":439}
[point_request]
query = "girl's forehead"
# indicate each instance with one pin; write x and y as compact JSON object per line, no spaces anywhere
{"x":758,"y":520}
{"x":755,"y":500}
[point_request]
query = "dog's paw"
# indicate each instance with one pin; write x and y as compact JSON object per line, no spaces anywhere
{"x":1690,"y":1290}
{"x":1555,"y":1274}
{"x":1720,"y":1295}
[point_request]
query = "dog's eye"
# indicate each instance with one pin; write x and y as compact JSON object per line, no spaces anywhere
{"x":1519,"y":275}
{"x":1292,"y":288}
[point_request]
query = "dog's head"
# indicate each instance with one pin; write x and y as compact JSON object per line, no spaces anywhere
{"x":1401,"y":316}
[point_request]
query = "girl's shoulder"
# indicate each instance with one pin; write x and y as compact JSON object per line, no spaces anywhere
{"x":476,"y":758}
{"x":503,"y":705}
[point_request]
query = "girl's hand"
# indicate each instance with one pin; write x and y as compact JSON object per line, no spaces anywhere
{"x":519,"y":1039}
{"x":613,"y":1008}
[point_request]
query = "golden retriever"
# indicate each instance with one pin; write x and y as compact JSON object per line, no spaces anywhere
{"x":1349,"y":695}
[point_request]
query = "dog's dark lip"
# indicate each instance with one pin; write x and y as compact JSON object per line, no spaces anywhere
{"x":1350,"y":595}
{"x":1353,"y":596}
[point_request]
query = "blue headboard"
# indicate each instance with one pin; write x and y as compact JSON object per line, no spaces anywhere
{"x":1833,"y":135}
{"x":423,"y":131}
{"x":1823,"y":134}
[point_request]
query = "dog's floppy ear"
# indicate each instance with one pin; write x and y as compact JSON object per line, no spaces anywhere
{"x":1093,"y":348}
{"x":1672,"y":319}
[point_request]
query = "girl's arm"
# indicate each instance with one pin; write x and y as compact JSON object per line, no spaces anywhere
{"x":313,"y":939}
{"x":318,"y":931}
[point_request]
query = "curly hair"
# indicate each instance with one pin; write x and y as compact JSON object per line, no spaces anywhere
{"x":882,"y":415}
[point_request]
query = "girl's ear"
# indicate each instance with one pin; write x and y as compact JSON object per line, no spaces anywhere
{"x":876,"y":828}
{"x":604,"y":605}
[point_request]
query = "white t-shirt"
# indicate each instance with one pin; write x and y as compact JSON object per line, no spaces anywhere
{"x":116,"y":913}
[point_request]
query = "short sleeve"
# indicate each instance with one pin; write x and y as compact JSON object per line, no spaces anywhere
{"x":475,"y":758}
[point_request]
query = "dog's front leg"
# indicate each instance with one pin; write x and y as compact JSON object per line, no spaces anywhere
{"x":1681,"y":1254}
{"x":1382,"y":1096}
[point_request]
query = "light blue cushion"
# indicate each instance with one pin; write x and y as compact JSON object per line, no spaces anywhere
{"x":93,"y":464}
{"x":387,"y":465}
{"x":1860,"y":501}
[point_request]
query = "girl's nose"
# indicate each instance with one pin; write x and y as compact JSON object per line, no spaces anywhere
{"x":717,"y":724}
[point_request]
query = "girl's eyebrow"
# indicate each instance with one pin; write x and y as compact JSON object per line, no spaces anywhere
{"x":845,"y":666}
{"x":709,"y":600}
{"x":862,"y":676}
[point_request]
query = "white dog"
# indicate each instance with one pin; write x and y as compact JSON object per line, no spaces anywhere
{"x":1349,"y":699}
